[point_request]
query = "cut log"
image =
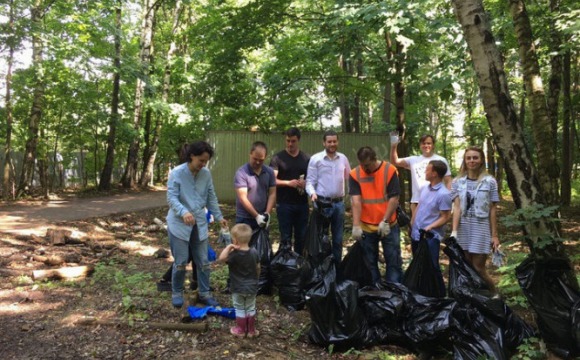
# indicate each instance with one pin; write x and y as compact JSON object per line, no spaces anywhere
{"x":11,"y":272}
{"x":57,"y":236}
{"x":73,"y":272}
{"x":196,"y":327}
{"x":54,"y":260}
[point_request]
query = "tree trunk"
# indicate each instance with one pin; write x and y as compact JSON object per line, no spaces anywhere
{"x":567,"y":133}
{"x":345,"y":111}
{"x":8,"y":175}
{"x":152,"y":147}
{"x":402,"y":149}
{"x":503,"y":121}
{"x":146,"y":45}
{"x":387,"y":95}
{"x":106,"y":174}
{"x":555,"y":83}
{"x":541,"y":125}
{"x":25,"y":183}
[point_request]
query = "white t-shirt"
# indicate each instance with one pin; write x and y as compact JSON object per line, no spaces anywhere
{"x":418,"y":164}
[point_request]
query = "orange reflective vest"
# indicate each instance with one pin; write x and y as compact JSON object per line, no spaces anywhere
{"x":373,"y":189}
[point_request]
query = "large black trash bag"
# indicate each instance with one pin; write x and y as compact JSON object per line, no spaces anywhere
{"x":514,"y":329}
{"x":552,"y":290}
{"x":287,"y":267}
{"x":383,"y":310}
{"x":334,"y":312}
{"x":475,"y":336}
{"x":355,"y":266}
{"x":317,"y":248}
{"x":400,"y":317}
{"x":427,"y":322}
{"x":317,"y":243}
{"x":261,"y":242}
{"x":421,"y":276}
{"x":461,"y":273}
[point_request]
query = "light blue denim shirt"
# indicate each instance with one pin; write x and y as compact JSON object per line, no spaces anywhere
{"x":484,"y":195}
{"x":186,"y":193}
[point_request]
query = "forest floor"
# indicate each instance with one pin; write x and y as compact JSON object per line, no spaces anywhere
{"x":41,"y":319}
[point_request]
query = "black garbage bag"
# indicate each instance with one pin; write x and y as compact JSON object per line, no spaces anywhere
{"x":552,"y":290}
{"x":429,"y":323}
{"x":317,"y":248}
{"x":514,"y":329}
{"x":383,"y":310}
{"x":421,"y":276}
{"x":461,"y":273}
{"x":398,"y":316}
{"x":334,"y":312}
{"x":475,"y":336}
{"x":261,"y":242}
{"x":287,"y":267}
{"x":317,"y":243}
{"x":355,"y":266}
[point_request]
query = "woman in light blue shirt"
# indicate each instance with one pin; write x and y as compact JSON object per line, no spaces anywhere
{"x":189,"y":191}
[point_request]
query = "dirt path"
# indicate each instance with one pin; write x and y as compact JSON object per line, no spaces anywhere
{"x":35,"y":217}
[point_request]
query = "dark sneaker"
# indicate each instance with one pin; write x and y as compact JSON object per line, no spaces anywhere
{"x":209,"y":301}
{"x":177,"y":300}
{"x":193,"y":285}
{"x":163,"y":285}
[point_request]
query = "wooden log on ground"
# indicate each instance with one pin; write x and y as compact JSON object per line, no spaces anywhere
{"x":196,"y":327}
{"x":73,"y":272}
{"x":57,"y":236}
{"x":12,"y":272}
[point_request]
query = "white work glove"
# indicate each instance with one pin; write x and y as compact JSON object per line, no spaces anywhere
{"x":261,"y":220}
{"x":454,"y":234}
{"x":394,"y":138}
{"x":384,"y":229}
{"x":357,"y":233}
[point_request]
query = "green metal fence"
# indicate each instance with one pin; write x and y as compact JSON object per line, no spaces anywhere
{"x":232,"y":150}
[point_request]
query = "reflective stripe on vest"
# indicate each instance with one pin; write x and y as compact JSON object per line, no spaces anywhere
{"x":373,"y":193}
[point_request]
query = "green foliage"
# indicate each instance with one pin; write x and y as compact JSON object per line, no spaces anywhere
{"x":508,"y":283}
{"x":531,"y":349}
{"x":524,"y":216}
{"x":135,"y":289}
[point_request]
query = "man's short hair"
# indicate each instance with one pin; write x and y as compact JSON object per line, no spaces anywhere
{"x":242,"y":233}
{"x":439,"y":166}
{"x":425,"y":137}
{"x":329,"y":133}
{"x":259,"y":144}
{"x":293,"y":131}
{"x":366,"y":153}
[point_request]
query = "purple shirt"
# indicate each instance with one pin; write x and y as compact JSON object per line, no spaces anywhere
{"x":258,"y":188}
{"x":432,"y":201}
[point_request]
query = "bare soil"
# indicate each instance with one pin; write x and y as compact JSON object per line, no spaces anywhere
{"x":40,"y":319}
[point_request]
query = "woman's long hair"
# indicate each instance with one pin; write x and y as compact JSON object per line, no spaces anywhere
{"x":481,"y":171}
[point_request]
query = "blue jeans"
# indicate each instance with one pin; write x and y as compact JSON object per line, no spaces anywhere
{"x":433,"y":246}
{"x":244,"y":304}
{"x":391,"y":250}
{"x":180,"y":249}
{"x":248,"y":221}
{"x":335,"y":213}
{"x":292,"y":220}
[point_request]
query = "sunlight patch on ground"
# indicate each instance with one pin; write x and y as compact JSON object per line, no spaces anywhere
{"x":24,"y":302}
{"x":139,"y":248}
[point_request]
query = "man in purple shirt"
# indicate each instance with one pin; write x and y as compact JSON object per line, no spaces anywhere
{"x":255,"y":186}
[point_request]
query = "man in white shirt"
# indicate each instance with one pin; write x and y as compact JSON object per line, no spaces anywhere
{"x":418,"y":164}
{"x":325,"y":185}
